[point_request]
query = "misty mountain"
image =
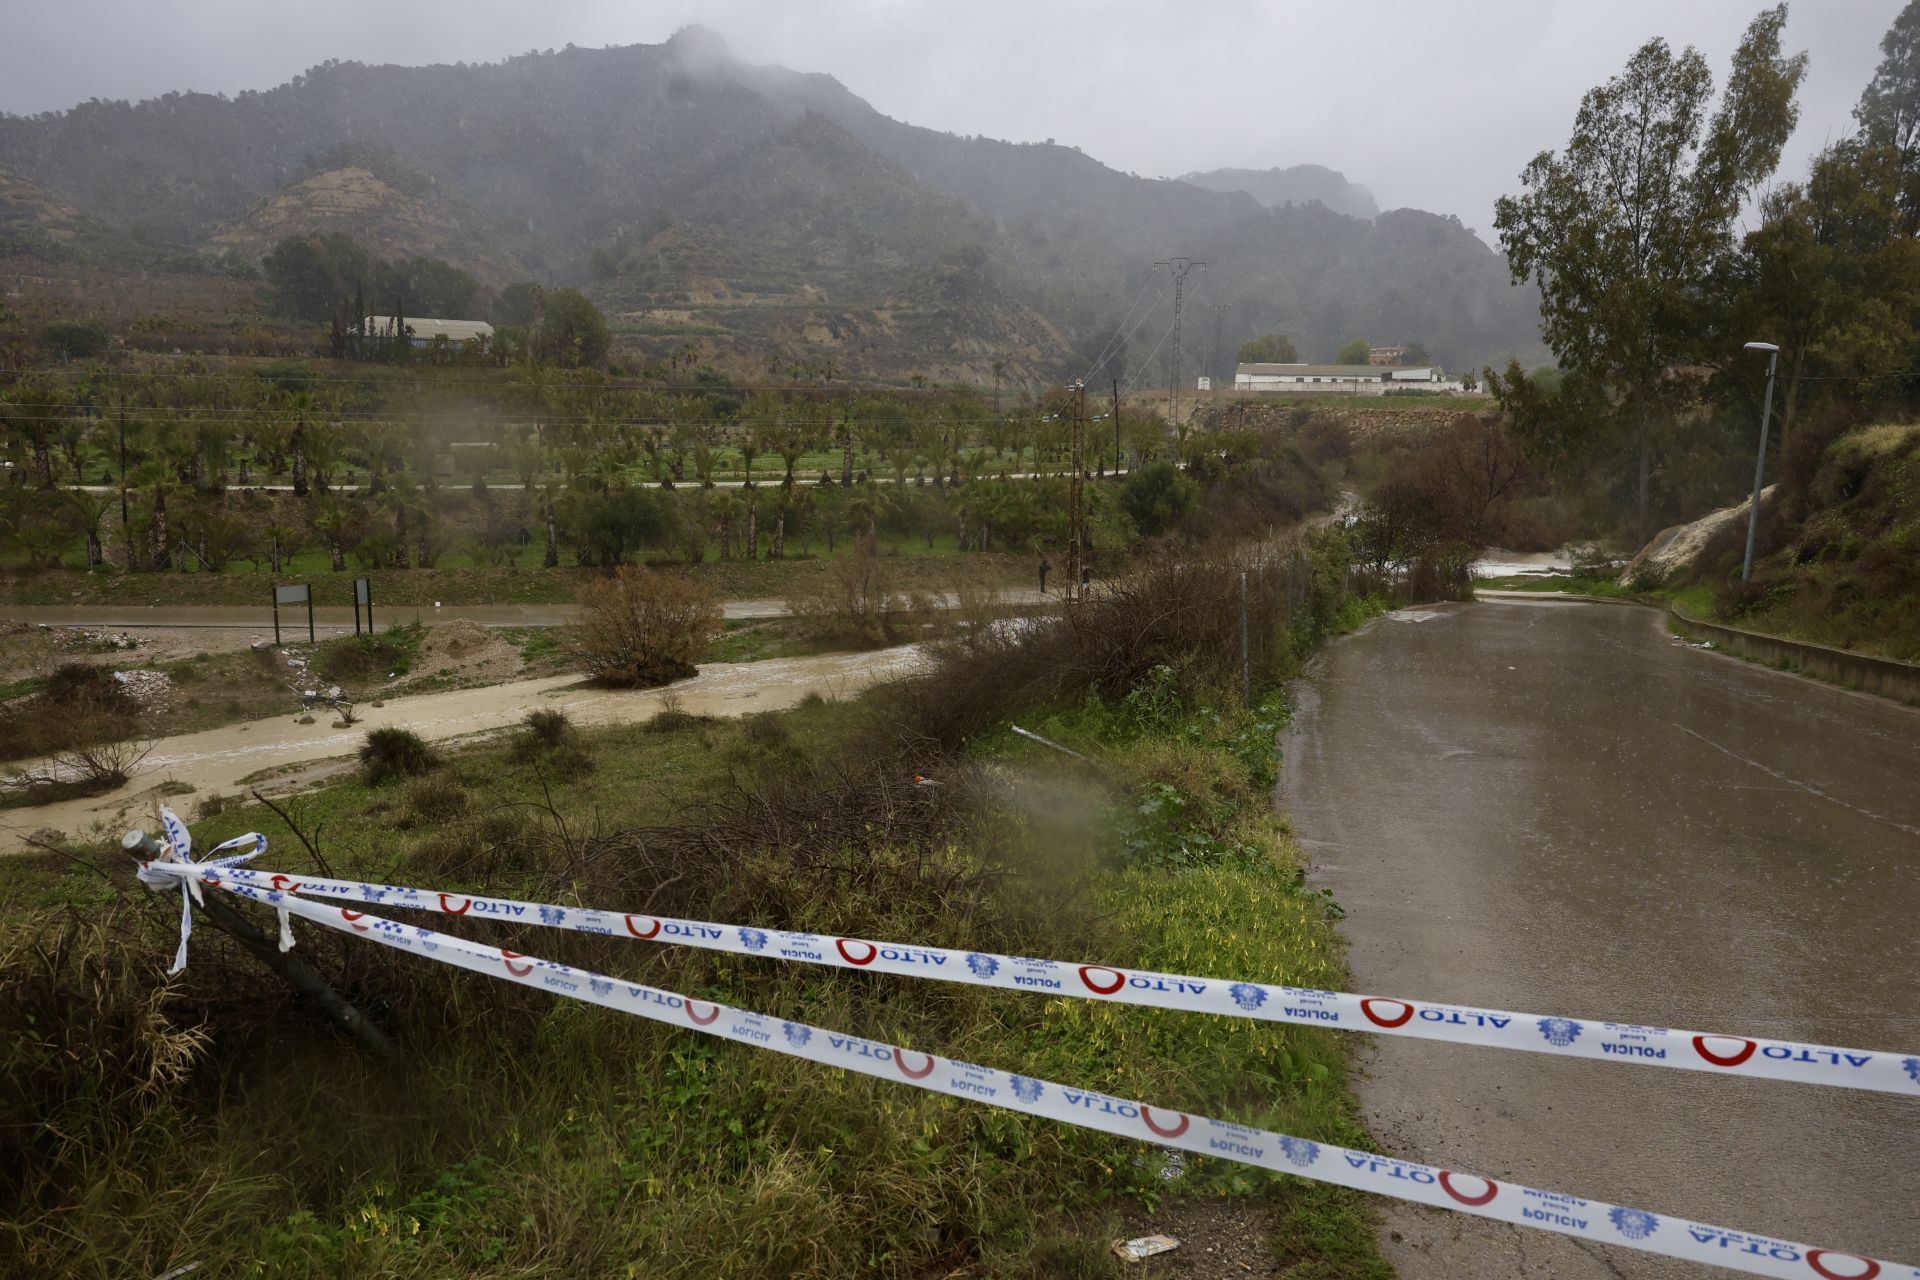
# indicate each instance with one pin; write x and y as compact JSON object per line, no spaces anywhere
{"x":767,"y":214}
{"x":1300,"y":184}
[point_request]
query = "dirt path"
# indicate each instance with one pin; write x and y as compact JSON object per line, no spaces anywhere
{"x":217,"y":759}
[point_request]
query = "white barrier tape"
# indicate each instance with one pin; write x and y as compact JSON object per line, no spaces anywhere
{"x":1321,"y":1162}
{"x":1455,"y":1024}
{"x":174,"y":868}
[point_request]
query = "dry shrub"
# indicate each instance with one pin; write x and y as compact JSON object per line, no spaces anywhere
{"x":395,"y":753}
{"x":1182,"y":613}
{"x":97,"y":753}
{"x":79,"y":707}
{"x":977,"y":598}
{"x":854,"y":601}
{"x":640,"y":628}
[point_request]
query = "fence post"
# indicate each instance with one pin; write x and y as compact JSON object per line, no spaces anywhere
{"x":1246,"y":674}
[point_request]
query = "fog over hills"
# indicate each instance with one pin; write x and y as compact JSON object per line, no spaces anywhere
{"x":1300,"y":184}
{"x":775,"y":214}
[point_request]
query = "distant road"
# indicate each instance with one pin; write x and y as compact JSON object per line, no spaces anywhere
{"x":771,"y":481}
{"x":338,"y":619}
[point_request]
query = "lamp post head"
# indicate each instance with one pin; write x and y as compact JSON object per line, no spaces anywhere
{"x":1761,"y":346}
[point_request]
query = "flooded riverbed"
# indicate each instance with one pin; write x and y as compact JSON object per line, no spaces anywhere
{"x":1551,"y":807}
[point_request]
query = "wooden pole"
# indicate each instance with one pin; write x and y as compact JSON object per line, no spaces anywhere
{"x":294,"y":971}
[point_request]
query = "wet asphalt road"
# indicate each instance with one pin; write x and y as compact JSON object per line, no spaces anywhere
{"x":1552,"y":808}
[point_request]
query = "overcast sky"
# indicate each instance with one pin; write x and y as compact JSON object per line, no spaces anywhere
{"x":1437,"y":106}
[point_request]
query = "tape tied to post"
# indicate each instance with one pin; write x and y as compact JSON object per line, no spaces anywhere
{"x":1408,"y":1180}
{"x":1591,"y":1039}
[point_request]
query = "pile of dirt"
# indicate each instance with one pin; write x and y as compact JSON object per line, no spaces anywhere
{"x":469,"y":651}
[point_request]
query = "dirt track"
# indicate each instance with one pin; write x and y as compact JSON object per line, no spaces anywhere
{"x":216,"y":760}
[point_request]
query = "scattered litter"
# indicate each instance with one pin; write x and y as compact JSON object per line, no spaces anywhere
{"x":151,"y":690}
{"x":1414,"y":615}
{"x":1142,"y":1247}
{"x":922,"y":780}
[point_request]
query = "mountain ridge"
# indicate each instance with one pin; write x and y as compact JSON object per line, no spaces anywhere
{"x":566,"y":166}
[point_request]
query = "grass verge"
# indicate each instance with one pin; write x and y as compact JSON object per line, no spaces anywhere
{"x":209,"y":1118}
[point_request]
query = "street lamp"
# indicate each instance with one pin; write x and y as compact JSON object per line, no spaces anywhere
{"x":1760,"y":461}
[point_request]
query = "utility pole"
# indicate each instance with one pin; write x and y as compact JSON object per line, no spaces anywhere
{"x":1076,"y":512}
{"x":1213,"y":356}
{"x":1116,"y":427}
{"x":1178,"y":269}
{"x":126,"y":534}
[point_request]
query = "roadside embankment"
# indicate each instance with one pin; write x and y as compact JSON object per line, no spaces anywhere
{"x":1899,"y":681}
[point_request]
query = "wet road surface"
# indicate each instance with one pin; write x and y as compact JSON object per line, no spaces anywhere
{"x":1550,"y":807}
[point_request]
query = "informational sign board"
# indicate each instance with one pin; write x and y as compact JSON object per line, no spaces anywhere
{"x":295,"y":593}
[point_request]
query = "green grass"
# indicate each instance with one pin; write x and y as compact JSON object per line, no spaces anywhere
{"x":529,"y":1135}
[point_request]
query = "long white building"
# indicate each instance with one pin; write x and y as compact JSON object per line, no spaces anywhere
{"x":1357,"y":379}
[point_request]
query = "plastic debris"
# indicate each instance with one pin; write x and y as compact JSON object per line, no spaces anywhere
{"x":1143,"y":1247}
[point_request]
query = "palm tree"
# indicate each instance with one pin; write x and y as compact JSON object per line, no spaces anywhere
{"x":334,"y":523}
{"x":299,"y":405}
{"x":89,"y":514}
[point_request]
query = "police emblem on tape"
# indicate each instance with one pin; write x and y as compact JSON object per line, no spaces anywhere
{"x":796,"y":1034}
{"x":1560,"y":1032}
{"x":1247,"y":996}
{"x":599,"y":987}
{"x":982,"y":966}
{"x":1026,"y":1090}
{"x":1634,"y":1224}
{"x":552,"y":915}
{"x":1299,"y":1152}
{"x":1913,"y":1069}
{"x":752,"y":939}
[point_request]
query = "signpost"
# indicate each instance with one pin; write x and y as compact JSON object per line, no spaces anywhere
{"x":292,"y":595}
{"x":362,"y":595}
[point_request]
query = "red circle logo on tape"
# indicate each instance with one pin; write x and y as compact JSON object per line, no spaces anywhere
{"x":695,"y":1015}
{"x":845,"y":947}
{"x":1446,"y":1184}
{"x":1169,"y":1131}
{"x":900,"y":1061}
{"x":652,"y":929}
{"x":446,"y":905}
{"x":1405,"y":1015}
{"x":1733,"y":1059}
{"x":285,"y":884}
{"x":1101,"y":986}
{"x":1816,"y":1258}
{"x":351,"y":917}
{"x":517,"y":970}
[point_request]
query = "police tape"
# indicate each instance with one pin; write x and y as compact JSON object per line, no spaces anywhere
{"x":1455,"y":1024}
{"x":1321,"y":1162}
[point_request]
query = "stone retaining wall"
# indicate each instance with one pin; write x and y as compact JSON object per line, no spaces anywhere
{"x":1884,"y":676}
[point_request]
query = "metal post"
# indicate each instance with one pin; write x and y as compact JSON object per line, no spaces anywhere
{"x":1759,"y":469}
{"x":276,"y":617}
{"x":1246,"y":675}
{"x":369,"y":582}
{"x":310,"y":638}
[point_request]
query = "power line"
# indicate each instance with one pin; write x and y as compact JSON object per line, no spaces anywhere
{"x":1116,"y":345}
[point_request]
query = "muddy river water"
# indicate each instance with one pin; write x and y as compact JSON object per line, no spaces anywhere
{"x":1551,"y":807}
